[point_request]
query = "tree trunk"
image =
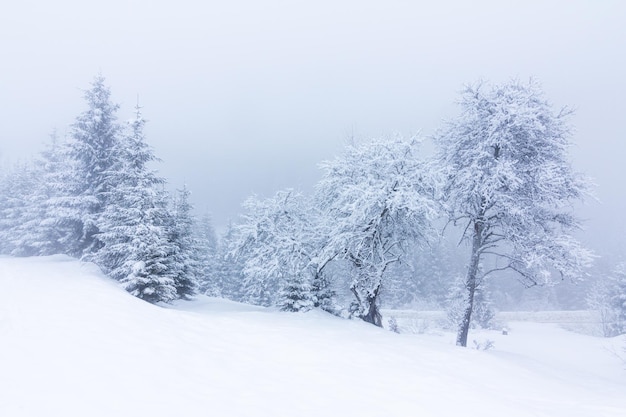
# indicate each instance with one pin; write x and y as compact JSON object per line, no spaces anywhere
{"x":470,"y":285}
{"x":373,"y":313}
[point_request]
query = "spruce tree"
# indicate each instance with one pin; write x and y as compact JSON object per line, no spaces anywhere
{"x":16,"y":214}
{"x":295,"y":295}
{"x":134,"y":224}
{"x":183,"y":259}
{"x":229,"y":267}
{"x":92,"y":158}
{"x":37,"y":233}
{"x":209,"y":282}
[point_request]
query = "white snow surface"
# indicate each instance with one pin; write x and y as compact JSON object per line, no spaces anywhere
{"x":72,"y":343}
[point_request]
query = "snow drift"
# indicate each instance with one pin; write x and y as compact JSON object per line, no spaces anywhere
{"x":74,"y":344}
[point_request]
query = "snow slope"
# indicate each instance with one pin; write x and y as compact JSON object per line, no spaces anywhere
{"x":73,"y":344}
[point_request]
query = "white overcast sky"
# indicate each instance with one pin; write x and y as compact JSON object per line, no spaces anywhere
{"x":248,"y":96}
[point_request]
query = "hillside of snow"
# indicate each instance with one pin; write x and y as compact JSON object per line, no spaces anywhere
{"x":72,"y":343}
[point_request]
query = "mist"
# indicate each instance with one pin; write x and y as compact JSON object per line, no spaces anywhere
{"x":247,"y":97}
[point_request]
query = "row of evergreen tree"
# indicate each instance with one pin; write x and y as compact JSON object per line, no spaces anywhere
{"x":94,"y":196}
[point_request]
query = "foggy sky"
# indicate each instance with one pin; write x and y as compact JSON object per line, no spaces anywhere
{"x":247,"y":97}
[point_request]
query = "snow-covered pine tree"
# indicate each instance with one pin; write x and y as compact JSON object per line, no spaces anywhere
{"x":206,"y":247}
{"x":63,"y":213}
{"x":91,"y":154}
{"x":422,"y":278}
{"x":18,"y":211}
{"x":4,"y":204}
{"x":23,"y":239}
{"x":509,"y":185}
{"x":45,"y":235}
{"x":134,"y":224}
{"x":33,"y":187}
{"x":378,"y":197}
{"x":229,"y":266}
{"x":322,"y":289}
{"x":456,"y":302}
{"x":147,"y":268}
{"x":183,"y":259}
{"x":295,"y":294}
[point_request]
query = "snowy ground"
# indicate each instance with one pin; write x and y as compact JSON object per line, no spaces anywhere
{"x":73,"y":344}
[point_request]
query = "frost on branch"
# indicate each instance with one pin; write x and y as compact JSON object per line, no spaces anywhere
{"x":277,"y":244}
{"x":378,"y":196}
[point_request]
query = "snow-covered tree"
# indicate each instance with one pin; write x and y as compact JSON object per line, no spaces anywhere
{"x":484,"y":314}
{"x":295,"y":294}
{"x":134,"y":224}
{"x":275,"y":245}
{"x":206,"y":249}
{"x":5,"y":223}
{"x":18,"y":211}
{"x":30,"y":188}
{"x":456,"y":302}
{"x":619,"y":296}
{"x":91,"y":156}
{"x":422,"y":279}
{"x":183,"y":259}
{"x":321,"y":286}
{"x":509,"y":184}
{"x":229,"y":266}
{"x":52,"y":171}
{"x":378,"y":197}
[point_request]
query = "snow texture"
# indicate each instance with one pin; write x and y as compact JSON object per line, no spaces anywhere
{"x":75,"y":344}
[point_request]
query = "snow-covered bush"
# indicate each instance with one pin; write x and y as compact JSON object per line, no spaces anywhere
{"x":483,"y":344}
{"x":392,"y":325}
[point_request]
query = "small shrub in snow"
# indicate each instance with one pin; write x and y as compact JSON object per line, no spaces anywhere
{"x":483,"y":344}
{"x":393,"y":325}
